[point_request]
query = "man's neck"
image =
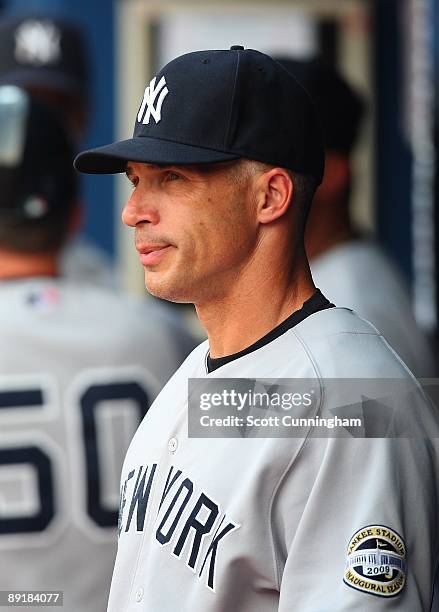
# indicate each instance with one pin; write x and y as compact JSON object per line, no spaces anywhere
{"x":25,"y":265}
{"x":253,"y":307}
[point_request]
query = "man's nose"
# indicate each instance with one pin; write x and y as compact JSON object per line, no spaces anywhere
{"x":139,"y":209}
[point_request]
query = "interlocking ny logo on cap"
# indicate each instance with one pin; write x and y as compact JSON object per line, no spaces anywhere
{"x":147,"y":107}
{"x":37,"y":43}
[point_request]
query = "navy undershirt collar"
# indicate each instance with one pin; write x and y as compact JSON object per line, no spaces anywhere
{"x":313,"y":304}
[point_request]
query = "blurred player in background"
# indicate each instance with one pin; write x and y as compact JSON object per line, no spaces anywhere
{"x":79,"y":368}
{"x":351,"y":268}
{"x":48,"y":57}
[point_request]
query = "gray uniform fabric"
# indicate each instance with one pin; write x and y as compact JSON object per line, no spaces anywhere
{"x":358,"y":275}
{"x":285,"y":510}
{"x":75,"y":366}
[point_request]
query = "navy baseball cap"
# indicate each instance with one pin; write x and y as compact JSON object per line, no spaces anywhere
{"x":37,"y":51}
{"x":216,"y":106}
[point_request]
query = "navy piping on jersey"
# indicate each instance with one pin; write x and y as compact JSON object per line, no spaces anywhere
{"x":313,"y":304}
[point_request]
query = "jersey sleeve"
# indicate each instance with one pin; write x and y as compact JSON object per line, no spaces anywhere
{"x":367,"y":535}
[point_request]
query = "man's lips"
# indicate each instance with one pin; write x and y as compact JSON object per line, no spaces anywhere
{"x":151,"y":254}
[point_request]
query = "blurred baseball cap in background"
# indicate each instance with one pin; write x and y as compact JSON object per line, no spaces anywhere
{"x":43,"y":52}
{"x":48,"y":57}
{"x":339,"y":106}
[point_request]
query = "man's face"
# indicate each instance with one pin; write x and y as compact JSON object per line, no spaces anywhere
{"x":195,"y":228}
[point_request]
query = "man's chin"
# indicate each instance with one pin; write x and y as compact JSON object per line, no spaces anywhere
{"x":165,"y":290}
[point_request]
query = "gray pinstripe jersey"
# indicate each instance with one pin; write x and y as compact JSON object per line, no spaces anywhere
{"x":78,"y":367}
{"x":265,"y":524}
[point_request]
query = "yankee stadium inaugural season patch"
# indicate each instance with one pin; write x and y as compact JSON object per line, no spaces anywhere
{"x":376,"y":561}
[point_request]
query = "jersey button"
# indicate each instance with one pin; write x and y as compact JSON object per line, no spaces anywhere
{"x":172,"y":445}
{"x":139,"y":594}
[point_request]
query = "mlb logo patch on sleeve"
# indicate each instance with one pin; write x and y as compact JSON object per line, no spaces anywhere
{"x":376,"y":561}
{"x":45,"y":300}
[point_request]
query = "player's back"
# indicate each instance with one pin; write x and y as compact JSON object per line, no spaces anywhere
{"x":358,"y":275}
{"x":78,"y":369}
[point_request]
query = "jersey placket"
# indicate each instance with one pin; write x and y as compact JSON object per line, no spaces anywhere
{"x":175,"y":444}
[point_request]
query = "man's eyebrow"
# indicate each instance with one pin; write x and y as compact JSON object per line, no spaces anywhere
{"x":129,"y":171}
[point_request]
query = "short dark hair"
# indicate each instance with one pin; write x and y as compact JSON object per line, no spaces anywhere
{"x":38,"y":189}
{"x":305,"y":187}
{"x":42,"y":235}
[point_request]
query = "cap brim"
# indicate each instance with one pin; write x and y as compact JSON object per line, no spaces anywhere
{"x":112,"y":158}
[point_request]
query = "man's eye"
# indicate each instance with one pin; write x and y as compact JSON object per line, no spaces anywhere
{"x":172,"y":176}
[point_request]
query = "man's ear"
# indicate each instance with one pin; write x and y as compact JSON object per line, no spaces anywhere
{"x":274,"y":194}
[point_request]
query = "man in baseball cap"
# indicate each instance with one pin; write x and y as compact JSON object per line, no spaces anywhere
{"x":47,"y":56}
{"x":224,"y":161}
